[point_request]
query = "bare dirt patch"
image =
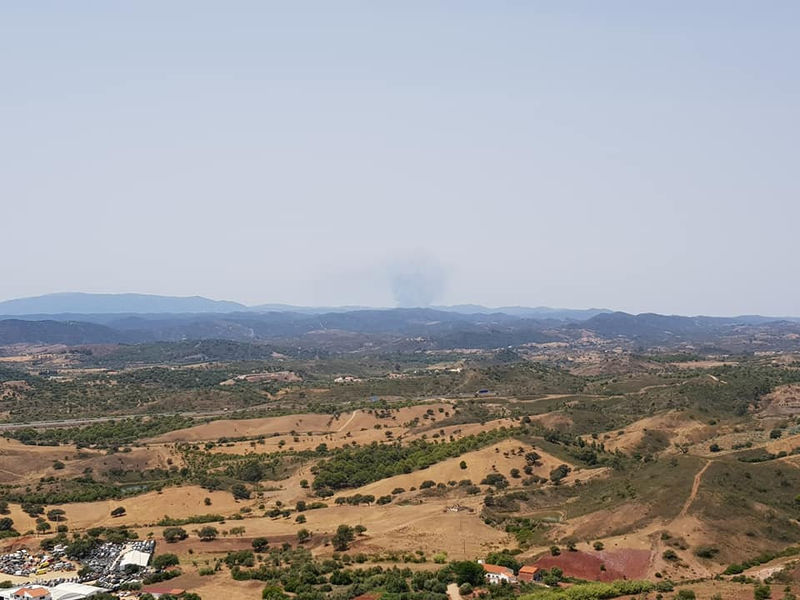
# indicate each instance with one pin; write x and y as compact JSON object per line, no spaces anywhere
{"x":783,"y":400}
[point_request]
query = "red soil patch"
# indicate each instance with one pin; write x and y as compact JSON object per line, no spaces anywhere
{"x":633,"y":564}
{"x":619,"y":564}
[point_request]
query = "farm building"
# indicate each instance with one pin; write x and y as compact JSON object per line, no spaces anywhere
{"x":33,"y":592}
{"x":74,"y":591}
{"x":498,"y":574}
{"x":529,"y":573}
{"x":134,"y":557}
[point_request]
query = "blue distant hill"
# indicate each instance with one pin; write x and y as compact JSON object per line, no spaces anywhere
{"x":82,"y":303}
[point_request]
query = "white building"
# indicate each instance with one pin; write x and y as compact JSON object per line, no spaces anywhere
{"x":498,"y":574}
{"x":74,"y":591}
{"x":134,"y":557}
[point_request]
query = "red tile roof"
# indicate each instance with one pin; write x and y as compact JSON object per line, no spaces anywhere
{"x":497,"y":569}
{"x":35,"y":592}
{"x":529,"y":569}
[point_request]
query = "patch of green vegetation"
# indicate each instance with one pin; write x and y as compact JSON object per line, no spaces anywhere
{"x":758,"y":498}
{"x":736,"y":568}
{"x":655,"y":484}
{"x":598,"y":591}
{"x":357,"y":466}
{"x":103,"y":434}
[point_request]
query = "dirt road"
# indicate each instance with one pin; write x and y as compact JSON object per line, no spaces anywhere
{"x":695,"y":487}
{"x":452,"y":592}
{"x":353,"y":416}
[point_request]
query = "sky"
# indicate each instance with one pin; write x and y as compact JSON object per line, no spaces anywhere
{"x":639,"y":156}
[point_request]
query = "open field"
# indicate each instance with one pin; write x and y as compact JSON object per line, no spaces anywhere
{"x":639,"y":465}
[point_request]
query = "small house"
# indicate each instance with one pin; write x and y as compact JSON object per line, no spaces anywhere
{"x":31,"y":593}
{"x":498,"y":574}
{"x":529,"y":573}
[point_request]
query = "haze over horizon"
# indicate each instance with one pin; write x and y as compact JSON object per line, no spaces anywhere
{"x":637,"y":157}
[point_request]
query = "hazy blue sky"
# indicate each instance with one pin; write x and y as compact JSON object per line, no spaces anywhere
{"x":632,"y":155}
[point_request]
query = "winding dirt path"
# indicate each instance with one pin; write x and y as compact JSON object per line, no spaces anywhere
{"x":346,"y":423}
{"x":695,"y":487}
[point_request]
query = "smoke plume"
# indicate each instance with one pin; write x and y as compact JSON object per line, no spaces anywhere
{"x":417,"y":281}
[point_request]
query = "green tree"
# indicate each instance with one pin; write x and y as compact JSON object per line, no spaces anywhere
{"x":343,"y":537}
{"x":162,"y":561}
{"x":56,"y":515}
{"x":273,"y":592}
{"x":175,"y":534}
{"x":467,"y":571}
{"x":762,"y":592}
{"x":240,"y":492}
{"x":207,"y":533}
{"x":557,"y":474}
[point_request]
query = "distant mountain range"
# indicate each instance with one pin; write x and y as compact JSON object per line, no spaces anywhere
{"x":81,"y":303}
{"x":78,"y":303}
{"x":76,"y":319}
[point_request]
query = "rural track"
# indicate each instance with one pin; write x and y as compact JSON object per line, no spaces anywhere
{"x":350,"y":420}
{"x":453,"y":592}
{"x":695,"y":487}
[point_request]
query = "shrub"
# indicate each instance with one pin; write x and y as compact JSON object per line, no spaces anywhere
{"x":557,"y":474}
{"x":762,"y":592}
{"x":207,"y":533}
{"x":706,"y":551}
{"x":273,"y":592}
{"x":240,"y":492}
{"x":175,"y":534}
{"x":260,"y":544}
{"x":162,"y":561}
